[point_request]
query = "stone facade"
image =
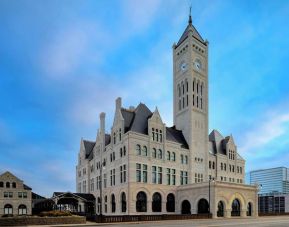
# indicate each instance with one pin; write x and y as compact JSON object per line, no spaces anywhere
{"x":15,"y":196}
{"x":148,"y":168}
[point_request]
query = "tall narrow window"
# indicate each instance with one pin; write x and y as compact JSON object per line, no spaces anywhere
{"x":168,"y":155}
{"x":173,"y":156}
{"x":138,"y":172}
{"x":120,"y":134}
{"x":123,"y":202}
{"x":187,"y":86}
{"x":144,"y":173}
{"x":157,"y":202}
{"x":179,"y":90}
{"x":144,"y":151}
{"x":138,"y":149}
{"x":153,"y":134}
{"x":160,"y":154}
{"x":112,"y":203}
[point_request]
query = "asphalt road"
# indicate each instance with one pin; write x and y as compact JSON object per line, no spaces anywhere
{"x":279,"y":221}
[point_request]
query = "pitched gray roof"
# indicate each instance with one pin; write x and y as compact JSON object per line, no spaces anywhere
{"x":217,"y":139}
{"x":185,"y":34}
{"x":176,"y":136}
{"x":88,"y":146}
{"x":107,"y":139}
{"x":137,"y":121}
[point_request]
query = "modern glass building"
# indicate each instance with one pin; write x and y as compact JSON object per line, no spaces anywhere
{"x":274,"y":180}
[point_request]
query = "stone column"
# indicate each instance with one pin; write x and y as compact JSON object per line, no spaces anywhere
{"x":227,"y":213}
{"x":243,"y":213}
{"x":164,"y":206}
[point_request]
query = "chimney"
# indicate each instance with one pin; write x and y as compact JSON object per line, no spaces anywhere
{"x":118,"y":103}
{"x":102,"y":122}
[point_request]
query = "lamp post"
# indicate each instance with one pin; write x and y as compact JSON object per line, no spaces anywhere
{"x":210,"y":180}
{"x":102,"y":165}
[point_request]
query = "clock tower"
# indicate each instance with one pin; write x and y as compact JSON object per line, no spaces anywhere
{"x":190,"y":81}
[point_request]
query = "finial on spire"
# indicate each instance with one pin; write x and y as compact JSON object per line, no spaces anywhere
{"x":190,"y":15}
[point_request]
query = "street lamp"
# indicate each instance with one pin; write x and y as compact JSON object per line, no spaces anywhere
{"x":102,"y":166}
{"x":210,"y":180}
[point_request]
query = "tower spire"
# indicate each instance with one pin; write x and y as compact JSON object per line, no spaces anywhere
{"x":190,"y":16}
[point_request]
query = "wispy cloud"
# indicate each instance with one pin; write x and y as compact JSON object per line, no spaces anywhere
{"x":267,"y":129}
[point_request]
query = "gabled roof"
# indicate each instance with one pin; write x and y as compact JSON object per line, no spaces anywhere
{"x":176,"y":136}
{"x":195,"y":33}
{"x":137,"y":120}
{"x":88,"y":147}
{"x":107,"y":139}
{"x":85,"y":196}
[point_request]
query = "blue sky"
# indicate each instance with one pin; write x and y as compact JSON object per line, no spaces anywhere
{"x":64,"y":62}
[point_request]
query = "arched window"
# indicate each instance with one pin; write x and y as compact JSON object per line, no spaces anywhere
{"x":249,"y":209}
{"x":123,"y":202}
{"x":168,"y":155}
{"x":22,"y":210}
{"x":120,"y":134}
{"x":154,"y":153}
{"x":180,"y":104}
{"x":202,"y":90}
{"x":235,"y":208}
{"x":105,"y":204}
{"x":193,"y":85}
{"x":183,"y":88}
{"x":160,"y":154}
{"x":179,"y":90}
{"x":197,"y":87}
{"x":203,"y":206}
{"x":173,"y":156}
{"x":153,"y":134}
{"x":114,"y":138}
{"x":141,"y":202}
{"x":187,"y":86}
{"x":157,"y":202}
{"x":13,"y":185}
{"x":112,"y":203}
{"x":1,"y":184}
{"x":124,"y":151}
{"x":7,"y":184}
{"x":138,"y":149}
{"x":170,"y":203}
{"x":8,"y":209}
{"x":120,"y":152}
{"x":220,"y":212}
{"x":144,"y":151}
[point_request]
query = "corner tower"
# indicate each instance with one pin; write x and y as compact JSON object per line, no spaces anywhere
{"x":190,"y":81}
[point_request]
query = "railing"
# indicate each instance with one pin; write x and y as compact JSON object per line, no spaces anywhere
{"x":137,"y":218}
{"x":272,"y":213}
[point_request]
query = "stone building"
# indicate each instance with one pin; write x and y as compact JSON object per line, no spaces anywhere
{"x":15,"y":196}
{"x":146,"y":167}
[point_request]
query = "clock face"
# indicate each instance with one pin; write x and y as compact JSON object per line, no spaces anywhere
{"x":183,"y":66}
{"x":198,"y":64}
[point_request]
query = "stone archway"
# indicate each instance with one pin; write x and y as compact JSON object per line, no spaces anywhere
{"x":186,"y":207}
{"x":203,"y":206}
{"x":220,"y":210}
{"x":236,"y":208}
{"x":249,"y":209}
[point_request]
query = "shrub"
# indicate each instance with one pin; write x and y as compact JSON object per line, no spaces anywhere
{"x":54,"y":213}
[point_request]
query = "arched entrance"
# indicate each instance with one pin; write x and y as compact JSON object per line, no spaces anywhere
{"x":123,"y":202}
{"x":220,"y":212}
{"x":141,"y":202}
{"x":157,"y":202}
{"x":203,"y":206}
{"x":249,"y":209}
{"x":186,"y":207}
{"x":236,"y":208}
{"x":171,"y":203}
